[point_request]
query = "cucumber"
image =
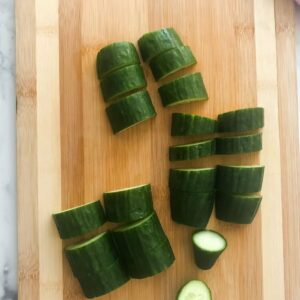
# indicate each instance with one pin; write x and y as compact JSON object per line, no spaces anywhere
{"x":234,"y":208}
{"x":123,"y":81}
{"x":194,"y":290}
{"x":129,"y":111}
{"x":153,"y":43}
{"x":239,"y":179}
{"x":208,"y":246}
{"x":241,"y":120}
{"x":129,"y":204}
{"x":188,"y":125}
{"x":171,"y":61}
{"x":116,"y":56}
{"x":79,"y":220}
{"x":194,"y":180}
{"x":192,"y":151}
{"x":191,"y":208}
{"x":91,"y":256}
{"x":185,"y":89}
{"x":239,"y":144}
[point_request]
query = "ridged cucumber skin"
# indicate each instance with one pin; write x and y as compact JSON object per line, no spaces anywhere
{"x":192,"y":151}
{"x":239,"y":144}
{"x":122,"y":81}
{"x":154,"y":43}
{"x":241,"y":120}
{"x":129,"y":111}
{"x":184,"y":89}
{"x":79,"y":220}
{"x":233,"y":208}
{"x":91,"y":256}
{"x":191,"y":125}
{"x":115,"y":56}
{"x":186,"y":285}
{"x":239,"y":179}
{"x":171,"y":61}
{"x":193,"y":180}
{"x":191,"y":208}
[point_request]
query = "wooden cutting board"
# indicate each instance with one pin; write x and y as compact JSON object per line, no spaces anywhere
{"x":67,"y":154}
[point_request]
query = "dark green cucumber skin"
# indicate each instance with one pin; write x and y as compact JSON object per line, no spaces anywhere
{"x":116,"y":56}
{"x":239,"y":144}
{"x":82,"y":220}
{"x":171,"y":61}
{"x":130,"y":110}
{"x":241,"y":120}
{"x":201,"y":180}
{"x":191,"y":208}
{"x":122,"y":81}
{"x":129,"y":205}
{"x":237,"y":180}
{"x":154,"y":43}
{"x":202,"y":149}
{"x":190,"y":125}
{"x":190,"y":86}
{"x":237,"y":208}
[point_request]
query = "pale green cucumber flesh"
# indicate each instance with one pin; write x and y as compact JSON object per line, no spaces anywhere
{"x":194,"y":290}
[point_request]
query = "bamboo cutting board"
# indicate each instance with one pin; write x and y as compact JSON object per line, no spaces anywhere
{"x":67,"y":154}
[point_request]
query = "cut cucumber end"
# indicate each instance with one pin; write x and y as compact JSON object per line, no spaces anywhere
{"x":86,"y":243}
{"x":194,"y":290}
{"x":209,"y":240}
{"x":128,"y":189}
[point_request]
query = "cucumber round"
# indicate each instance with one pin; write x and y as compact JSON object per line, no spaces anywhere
{"x":171,"y":61}
{"x":241,"y":120}
{"x":79,"y":220}
{"x":234,"y":208}
{"x":116,"y":56}
{"x":185,"y":89}
{"x":130,"y":111}
{"x":153,"y":43}
{"x":123,"y":81}
{"x":208,"y":246}
{"x":192,"y":151}
{"x":194,"y":290}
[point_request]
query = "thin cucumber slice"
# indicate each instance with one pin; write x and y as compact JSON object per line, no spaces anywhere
{"x":79,"y":220}
{"x":123,"y":81}
{"x":116,"y":56}
{"x":239,"y":144}
{"x":185,"y":89}
{"x":194,"y":290}
{"x":241,"y":120}
{"x":171,"y":61}
{"x":234,"y":208}
{"x":192,"y":151}
{"x":239,"y":179}
{"x":208,"y":246}
{"x":189,"y":125}
{"x":191,"y":208}
{"x":153,"y":43}
{"x":130,"y":111}
{"x":129,"y":204}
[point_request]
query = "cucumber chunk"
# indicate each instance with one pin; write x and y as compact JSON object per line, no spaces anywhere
{"x":194,"y":290}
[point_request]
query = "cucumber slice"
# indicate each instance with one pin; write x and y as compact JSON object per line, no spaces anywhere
{"x":171,"y":61}
{"x":91,"y":256}
{"x":193,"y":180}
{"x":208,"y":246}
{"x":79,"y":220}
{"x":153,"y":43}
{"x":129,"y":111}
{"x":185,"y":89}
{"x":116,"y":56}
{"x":123,"y":81}
{"x":194,"y":290}
{"x":191,"y":208}
{"x":239,"y":144}
{"x":239,"y":179}
{"x":188,"y":125}
{"x":234,"y":208}
{"x":129,"y":204}
{"x":241,"y":120}
{"x":192,"y":151}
